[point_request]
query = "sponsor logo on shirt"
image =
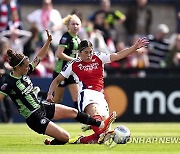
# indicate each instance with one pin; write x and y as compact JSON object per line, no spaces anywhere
{"x":92,"y":66}
{"x":28,"y":89}
{"x":25,"y":85}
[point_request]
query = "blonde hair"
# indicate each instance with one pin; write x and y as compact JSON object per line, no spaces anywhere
{"x":68,"y":18}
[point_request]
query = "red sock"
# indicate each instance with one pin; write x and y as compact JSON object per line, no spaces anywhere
{"x":94,"y":128}
{"x":90,"y":139}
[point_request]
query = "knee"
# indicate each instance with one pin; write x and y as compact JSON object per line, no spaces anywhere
{"x":66,"y":137}
{"x":74,"y":112}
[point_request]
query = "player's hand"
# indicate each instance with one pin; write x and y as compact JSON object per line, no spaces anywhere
{"x":49,"y":35}
{"x":50,"y":98}
{"x":141,"y":42}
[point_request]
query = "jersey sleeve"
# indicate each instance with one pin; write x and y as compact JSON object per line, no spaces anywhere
{"x":64,"y":41}
{"x":31,"y":68}
{"x":67,"y":70}
{"x":105,"y":58}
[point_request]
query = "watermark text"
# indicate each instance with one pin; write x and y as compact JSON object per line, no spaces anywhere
{"x":154,"y":139}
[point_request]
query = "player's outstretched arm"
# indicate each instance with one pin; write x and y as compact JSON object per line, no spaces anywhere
{"x":140,"y":43}
{"x":52,"y":87}
{"x":43,"y":51}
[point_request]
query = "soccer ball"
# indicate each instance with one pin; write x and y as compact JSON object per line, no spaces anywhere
{"x":121,"y":135}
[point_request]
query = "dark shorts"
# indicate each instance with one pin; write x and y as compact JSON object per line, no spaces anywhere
{"x":39,"y":120}
{"x":65,"y":82}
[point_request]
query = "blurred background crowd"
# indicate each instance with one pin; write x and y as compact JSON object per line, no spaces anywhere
{"x":110,"y":25}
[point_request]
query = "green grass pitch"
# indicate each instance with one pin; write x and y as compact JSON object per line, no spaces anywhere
{"x":145,"y":138}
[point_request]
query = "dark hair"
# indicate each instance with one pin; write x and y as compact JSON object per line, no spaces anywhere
{"x":15,"y":58}
{"x":78,"y":13}
{"x":84,"y":44}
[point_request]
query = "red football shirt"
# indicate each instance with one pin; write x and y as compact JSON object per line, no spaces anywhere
{"x":88,"y":74}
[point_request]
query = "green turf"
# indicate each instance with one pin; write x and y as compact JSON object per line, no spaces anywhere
{"x":148,"y":138}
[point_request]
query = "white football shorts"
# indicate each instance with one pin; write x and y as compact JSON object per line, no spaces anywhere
{"x":89,"y":96}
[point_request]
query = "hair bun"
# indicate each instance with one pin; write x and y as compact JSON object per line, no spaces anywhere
{"x":10,"y":53}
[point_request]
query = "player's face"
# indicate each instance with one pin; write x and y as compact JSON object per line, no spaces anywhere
{"x":86,"y":54}
{"x":74,"y":26}
{"x":25,"y":67}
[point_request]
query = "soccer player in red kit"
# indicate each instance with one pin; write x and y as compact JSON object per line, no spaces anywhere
{"x":88,"y":71}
